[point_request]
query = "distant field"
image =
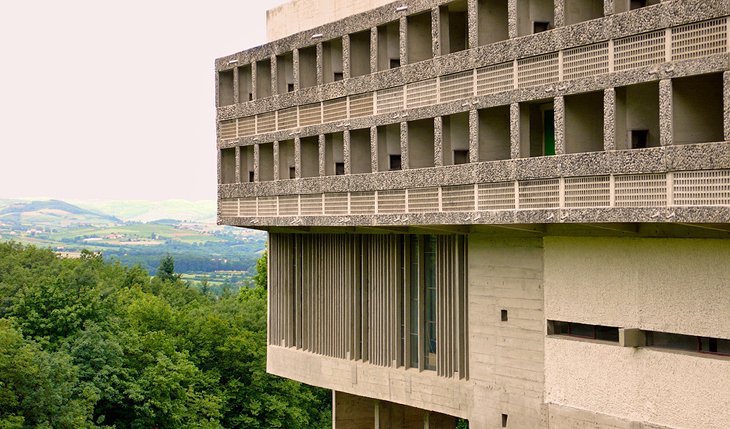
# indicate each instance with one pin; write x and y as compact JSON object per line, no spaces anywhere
{"x":138,"y":232}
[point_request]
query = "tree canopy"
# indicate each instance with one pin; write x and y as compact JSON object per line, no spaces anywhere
{"x":89,"y":344}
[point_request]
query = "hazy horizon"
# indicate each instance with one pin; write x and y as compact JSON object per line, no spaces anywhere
{"x":107,"y":101}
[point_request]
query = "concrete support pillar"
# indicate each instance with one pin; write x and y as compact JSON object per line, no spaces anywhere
{"x":514,"y":130}
{"x":235,"y":86}
{"x":238,"y":164}
{"x":436,"y":48}
{"x":346,"y":151}
{"x":559,"y":109}
{"x":272,"y":61}
{"x":559,"y":13}
{"x":295,"y":66}
{"x":254,"y":80}
{"x":276,"y":160}
{"x":665,"y":112}
{"x":346,"y":72}
{"x":473,"y":135}
{"x":438,"y":141}
{"x":403,"y":39}
{"x":512,"y":18}
{"x":404,"y":146}
{"x":374,"y":149}
{"x":256,"y":164}
{"x":321,"y":155}
{"x":373,"y":49}
{"x":609,"y":119}
{"x":608,"y":7}
{"x":473,"y":26}
{"x":320,"y":64}
{"x":297,"y":157}
{"x":726,"y":104}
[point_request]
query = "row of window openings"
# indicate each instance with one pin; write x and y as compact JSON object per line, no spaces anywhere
{"x":533,"y":16}
{"x":663,"y":340}
{"x":697,"y":118}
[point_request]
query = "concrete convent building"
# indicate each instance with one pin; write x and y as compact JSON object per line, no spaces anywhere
{"x":515,"y":212}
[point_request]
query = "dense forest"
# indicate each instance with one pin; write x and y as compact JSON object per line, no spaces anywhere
{"x":86,"y":343}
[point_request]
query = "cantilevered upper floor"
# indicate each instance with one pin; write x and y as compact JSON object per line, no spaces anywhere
{"x":482,"y":111}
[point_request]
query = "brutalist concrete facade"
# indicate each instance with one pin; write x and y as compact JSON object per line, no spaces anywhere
{"x":508,"y":211}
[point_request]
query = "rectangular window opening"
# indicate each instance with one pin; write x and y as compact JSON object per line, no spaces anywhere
{"x":639,"y":139}
{"x":339,"y":168}
{"x":394,"y":162}
{"x":250,"y":176}
{"x":461,"y":157}
{"x":540,"y":26}
{"x":582,"y":330}
{"x":504,"y":316}
{"x":504,"y":420}
{"x":691,"y":343}
{"x":292,"y":173}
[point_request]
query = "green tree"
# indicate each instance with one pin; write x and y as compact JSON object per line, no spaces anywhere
{"x":166,"y":270}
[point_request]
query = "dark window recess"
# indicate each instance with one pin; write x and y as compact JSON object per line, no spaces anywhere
{"x":394,"y":63}
{"x":540,"y":26}
{"x":504,"y":420}
{"x":461,"y":156}
{"x":689,"y":343}
{"x":636,"y":4}
{"x":395,"y":162}
{"x":250,"y":96}
{"x":338,"y":76}
{"x":292,"y":173}
{"x":290,"y":87}
{"x":339,"y":168}
{"x":581,"y":330}
{"x":639,"y":139}
{"x":250,"y":176}
{"x":504,"y":315}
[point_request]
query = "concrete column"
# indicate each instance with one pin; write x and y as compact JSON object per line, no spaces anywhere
{"x":253,"y":83}
{"x":274,"y":75}
{"x":295,"y":66}
{"x":374,"y":149}
{"x":346,"y":151}
{"x":297,"y":157}
{"x":276,"y":160}
{"x":256,"y":164}
{"x":514,"y":130}
{"x":321,"y":155}
{"x":235,"y":86}
{"x":435,"y":31}
{"x":320,"y":64}
{"x":726,"y":104}
{"x":609,"y":119}
{"x":512,"y":18}
{"x":438,"y":141}
{"x":404,"y":146}
{"x":608,"y":7}
{"x":665,"y":112}
{"x":473,"y":135}
{"x":373,"y":49}
{"x":559,"y":109}
{"x":403,"y":40}
{"x":238,"y":164}
{"x":346,"y":72}
{"x":559,"y":13}
{"x":473,"y":23}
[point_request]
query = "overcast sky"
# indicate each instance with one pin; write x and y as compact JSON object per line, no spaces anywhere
{"x":115,"y":100}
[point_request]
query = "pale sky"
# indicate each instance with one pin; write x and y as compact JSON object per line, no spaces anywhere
{"x":115,"y":100}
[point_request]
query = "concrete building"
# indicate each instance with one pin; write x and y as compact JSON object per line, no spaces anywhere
{"x":515,"y":212}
